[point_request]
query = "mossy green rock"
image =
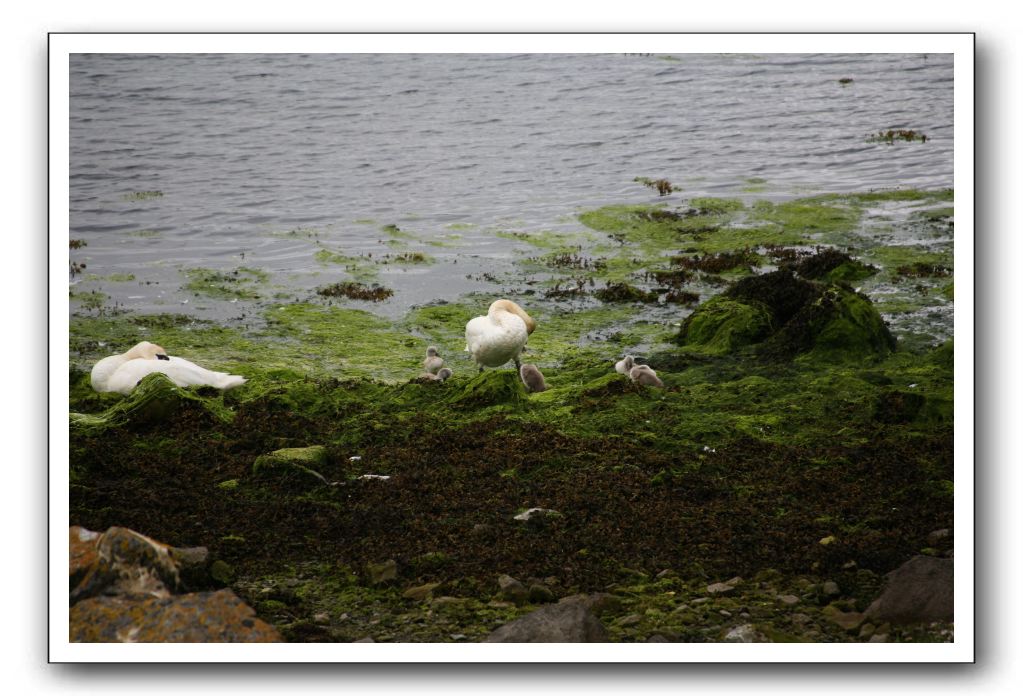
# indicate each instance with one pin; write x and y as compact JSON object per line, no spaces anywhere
{"x":154,"y":400}
{"x":291,"y":461}
{"x":492,"y":388}
{"x":721,"y":325}
{"x":783,"y":317}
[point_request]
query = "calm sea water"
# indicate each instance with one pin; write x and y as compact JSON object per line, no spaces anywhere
{"x":264,"y":159}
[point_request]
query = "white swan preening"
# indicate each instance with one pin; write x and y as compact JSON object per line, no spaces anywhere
{"x":642,"y":374}
{"x":625,"y":365}
{"x":500,"y":336}
{"x":432,"y":362}
{"x":120,"y":373}
{"x":532,"y":378}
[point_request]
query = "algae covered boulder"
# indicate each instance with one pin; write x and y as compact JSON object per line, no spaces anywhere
{"x":293,"y":463}
{"x":492,"y":388}
{"x":153,"y":401}
{"x":721,"y":325}
{"x":782,"y":316}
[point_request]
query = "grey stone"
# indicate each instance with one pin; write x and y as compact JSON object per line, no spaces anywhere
{"x":512,"y":590}
{"x":565,"y":622}
{"x":788,"y":599}
{"x":746,"y":633}
{"x":920,"y":590}
{"x":830,"y":589}
{"x":935,"y":537}
{"x":720,"y":588}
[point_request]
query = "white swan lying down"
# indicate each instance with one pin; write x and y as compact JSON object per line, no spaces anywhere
{"x":120,"y":373}
{"x":500,"y":336}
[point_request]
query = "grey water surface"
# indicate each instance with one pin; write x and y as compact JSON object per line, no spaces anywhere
{"x":261,"y":161}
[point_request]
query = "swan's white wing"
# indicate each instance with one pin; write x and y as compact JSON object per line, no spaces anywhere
{"x":492,"y":344}
{"x":103,"y":371}
{"x":183,"y":373}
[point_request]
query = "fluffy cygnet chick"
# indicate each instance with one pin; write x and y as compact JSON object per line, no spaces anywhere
{"x":442,"y":374}
{"x":432,"y":362}
{"x":532,"y":378}
{"x":642,"y":374}
{"x":624,"y":365}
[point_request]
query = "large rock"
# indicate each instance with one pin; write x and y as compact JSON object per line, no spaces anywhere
{"x":128,"y":563}
{"x":155,"y":400}
{"x":490,"y":388}
{"x":82,"y":547}
{"x":920,"y":590}
{"x":123,"y":591}
{"x":568,"y":622}
{"x":200,"y":617}
{"x":780,"y":316}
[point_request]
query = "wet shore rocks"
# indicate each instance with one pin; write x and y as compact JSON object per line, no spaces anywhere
{"x":125,"y":589}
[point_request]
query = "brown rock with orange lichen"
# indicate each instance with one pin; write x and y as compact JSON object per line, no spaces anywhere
{"x":82,"y":547}
{"x":123,"y":583}
{"x":199,"y":617}
{"x":128,"y":563}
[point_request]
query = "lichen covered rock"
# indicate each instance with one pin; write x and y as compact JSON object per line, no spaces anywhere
{"x":200,"y":617}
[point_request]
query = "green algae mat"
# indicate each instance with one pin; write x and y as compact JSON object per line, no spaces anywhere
{"x":802,"y":444}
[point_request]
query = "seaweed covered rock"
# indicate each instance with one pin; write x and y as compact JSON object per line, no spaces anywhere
{"x":155,"y":399}
{"x":492,"y":388}
{"x":721,"y":325}
{"x":293,"y":463}
{"x":782,"y":316}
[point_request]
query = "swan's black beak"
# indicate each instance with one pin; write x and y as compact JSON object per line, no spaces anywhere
{"x":162,"y":356}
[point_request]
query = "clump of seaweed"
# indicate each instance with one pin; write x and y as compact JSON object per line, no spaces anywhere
{"x":890,"y":136}
{"x":575,"y":288}
{"x":923,"y":270}
{"x":571,"y":260}
{"x":682,"y":297}
{"x":720,"y":262}
{"x":845,"y":81}
{"x":75,"y":267}
{"x":356,"y":291}
{"x":623,"y":292}
{"x":408,"y":257}
{"x":663,"y":186}
{"x":674,"y":278}
{"x":142,"y":195}
{"x":829,"y":264}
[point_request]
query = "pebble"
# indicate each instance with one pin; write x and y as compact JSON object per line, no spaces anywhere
{"x":830,"y":588}
{"x":321,"y":618}
{"x":788,"y":599}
